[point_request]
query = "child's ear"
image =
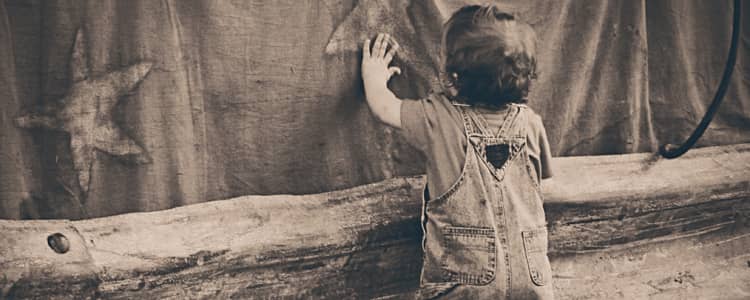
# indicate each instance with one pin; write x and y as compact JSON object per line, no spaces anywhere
{"x":450,"y":84}
{"x":449,"y":81}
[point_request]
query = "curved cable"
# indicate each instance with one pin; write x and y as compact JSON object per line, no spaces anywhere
{"x":672,"y":151}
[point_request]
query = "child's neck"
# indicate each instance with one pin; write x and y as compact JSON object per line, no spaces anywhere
{"x":489,"y":109}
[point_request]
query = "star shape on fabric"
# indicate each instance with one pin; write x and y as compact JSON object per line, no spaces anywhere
{"x":414,"y":25}
{"x":86,"y":113}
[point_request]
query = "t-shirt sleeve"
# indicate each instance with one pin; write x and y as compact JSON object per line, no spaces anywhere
{"x":415,"y":124}
{"x":545,"y":154}
{"x":541,"y":154}
{"x":421,"y":119}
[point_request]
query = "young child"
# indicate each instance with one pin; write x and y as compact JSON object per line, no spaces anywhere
{"x":484,"y":226}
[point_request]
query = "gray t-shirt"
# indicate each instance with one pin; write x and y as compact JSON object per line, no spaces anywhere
{"x":435,"y":126}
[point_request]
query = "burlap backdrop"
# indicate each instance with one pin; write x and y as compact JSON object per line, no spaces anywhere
{"x":265,"y":97}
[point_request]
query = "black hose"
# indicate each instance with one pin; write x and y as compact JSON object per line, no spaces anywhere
{"x":672,"y":151}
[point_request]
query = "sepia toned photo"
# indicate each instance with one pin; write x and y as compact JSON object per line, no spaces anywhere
{"x":374,"y":149}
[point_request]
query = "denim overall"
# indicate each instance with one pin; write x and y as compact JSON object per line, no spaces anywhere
{"x":485,"y":238}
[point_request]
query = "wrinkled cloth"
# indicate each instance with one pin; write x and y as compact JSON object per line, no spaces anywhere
{"x":265,"y":97}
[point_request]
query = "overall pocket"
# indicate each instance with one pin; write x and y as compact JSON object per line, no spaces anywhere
{"x":469,"y":256}
{"x":535,"y":247}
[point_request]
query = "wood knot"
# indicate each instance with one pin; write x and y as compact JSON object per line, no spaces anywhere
{"x":58,"y":242}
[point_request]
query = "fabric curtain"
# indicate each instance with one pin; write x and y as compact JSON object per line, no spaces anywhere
{"x":265,"y":97}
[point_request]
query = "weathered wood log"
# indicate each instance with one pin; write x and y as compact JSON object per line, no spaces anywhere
{"x":598,"y":202}
{"x":331,"y":245}
{"x":365,"y":242}
{"x":29,"y":268}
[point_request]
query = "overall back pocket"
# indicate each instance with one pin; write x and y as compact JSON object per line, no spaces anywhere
{"x":469,"y":256}
{"x":535,"y":246}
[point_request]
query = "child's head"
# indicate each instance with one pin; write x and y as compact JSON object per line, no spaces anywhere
{"x":489,"y":56}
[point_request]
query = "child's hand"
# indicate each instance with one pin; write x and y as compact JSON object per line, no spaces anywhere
{"x":375,"y":73}
{"x":375,"y":70}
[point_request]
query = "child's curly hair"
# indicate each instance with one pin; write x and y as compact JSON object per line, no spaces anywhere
{"x":489,"y":56}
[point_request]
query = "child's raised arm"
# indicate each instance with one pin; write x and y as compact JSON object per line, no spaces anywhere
{"x":375,"y":74}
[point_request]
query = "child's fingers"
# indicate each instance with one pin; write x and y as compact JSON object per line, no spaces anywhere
{"x":366,"y":49}
{"x":384,"y":45}
{"x":394,"y":71}
{"x":394,"y":43}
{"x":376,"y":45}
{"x":392,"y":52}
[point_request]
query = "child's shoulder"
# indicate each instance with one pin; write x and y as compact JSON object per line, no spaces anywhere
{"x":440,"y":104}
{"x":533,"y":116}
{"x":439,"y":98}
{"x":534,"y":122}
{"x":435,"y":109}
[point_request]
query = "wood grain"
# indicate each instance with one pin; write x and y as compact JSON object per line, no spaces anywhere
{"x":365,"y":242}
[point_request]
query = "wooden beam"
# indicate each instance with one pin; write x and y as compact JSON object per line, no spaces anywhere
{"x":29,"y":268}
{"x":598,"y":202}
{"x":365,"y":242}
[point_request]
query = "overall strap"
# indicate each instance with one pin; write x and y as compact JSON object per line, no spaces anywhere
{"x":511,"y":122}
{"x":469,"y":126}
{"x":516,"y":125}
